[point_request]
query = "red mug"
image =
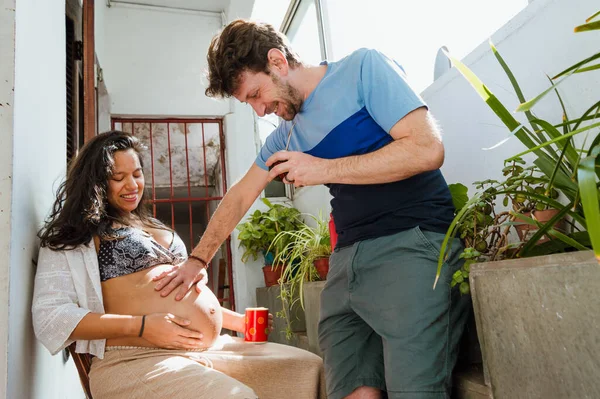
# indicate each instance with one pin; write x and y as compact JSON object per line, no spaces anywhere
{"x":257,"y":325}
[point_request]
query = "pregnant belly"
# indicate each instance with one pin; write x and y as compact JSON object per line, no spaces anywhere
{"x":134,"y":294}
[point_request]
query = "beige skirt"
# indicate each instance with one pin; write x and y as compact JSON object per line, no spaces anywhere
{"x":231,"y":368}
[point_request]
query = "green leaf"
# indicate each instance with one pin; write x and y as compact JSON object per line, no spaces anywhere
{"x":587,"y":27}
{"x":450,"y":234}
{"x":526,"y":106}
{"x":543,"y":229}
{"x":464,"y":288}
{"x":561,"y":179}
{"x":592,"y":17}
{"x":457,"y":274}
{"x":567,"y":240}
{"x":588,"y":68}
{"x":459,"y":194}
{"x":267,"y":202}
{"x":500,"y":110}
{"x":556,"y":246}
{"x":589,"y":198}
{"x":556,"y":140}
{"x":551,"y":204}
{"x":576,"y":66}
{"x":516,"y":87}
{"x":555,"y":133}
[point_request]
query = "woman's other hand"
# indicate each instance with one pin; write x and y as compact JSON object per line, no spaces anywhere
{"x":270,"y":323}
{"x":166,"y":330}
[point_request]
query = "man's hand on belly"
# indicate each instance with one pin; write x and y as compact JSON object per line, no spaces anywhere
{"x":184,"y":274}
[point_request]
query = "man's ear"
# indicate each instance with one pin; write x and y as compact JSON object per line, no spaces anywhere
{"x":277,"y":62}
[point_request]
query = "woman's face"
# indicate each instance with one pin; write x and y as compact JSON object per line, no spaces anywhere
{"x":126,"y":185}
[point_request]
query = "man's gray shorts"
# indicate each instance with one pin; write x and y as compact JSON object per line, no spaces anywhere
{"x":382,"y":323}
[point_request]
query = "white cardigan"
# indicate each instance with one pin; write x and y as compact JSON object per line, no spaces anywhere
{"x":67,"y":287}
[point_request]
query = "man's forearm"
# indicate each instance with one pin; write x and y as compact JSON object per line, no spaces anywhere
{"x":228,"y":214}
{"x":396,"y":161}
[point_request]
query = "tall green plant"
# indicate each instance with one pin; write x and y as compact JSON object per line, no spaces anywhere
{"x":555,"y":156}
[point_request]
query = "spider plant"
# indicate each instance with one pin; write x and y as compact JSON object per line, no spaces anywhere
{"x":303,"y":246}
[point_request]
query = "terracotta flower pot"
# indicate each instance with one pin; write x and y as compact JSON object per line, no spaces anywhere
{"x":272,"y":274}
{"x":525,"y":230}
{"x":322,"y":266}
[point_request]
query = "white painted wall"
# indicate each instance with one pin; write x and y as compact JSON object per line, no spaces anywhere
{"x":313,"y":200}
{"x":99,"y":34}
{"x":154,"y":61}
{"x":7,"y":80}
{"x":39,"y":153}
{"x":240,"y":142}
{"x":538,"y":41}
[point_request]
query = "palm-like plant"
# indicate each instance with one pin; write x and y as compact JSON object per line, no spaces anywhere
{"x":565,"y":168}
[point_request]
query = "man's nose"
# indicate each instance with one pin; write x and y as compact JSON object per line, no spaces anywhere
{"x":259,"y":109}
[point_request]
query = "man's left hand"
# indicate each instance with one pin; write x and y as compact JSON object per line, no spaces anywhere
{"x":183,"y":276}
{"x":302,"y":169}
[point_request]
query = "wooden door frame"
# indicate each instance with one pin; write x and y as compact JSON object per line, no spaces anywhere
{"x":89,"y":62}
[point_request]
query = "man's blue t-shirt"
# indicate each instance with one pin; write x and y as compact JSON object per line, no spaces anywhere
{"x":351,"y":112}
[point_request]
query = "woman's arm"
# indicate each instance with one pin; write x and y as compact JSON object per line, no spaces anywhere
{"x":235,"y":321}
{"x":55,"y":310}
{"x":106,"y":326}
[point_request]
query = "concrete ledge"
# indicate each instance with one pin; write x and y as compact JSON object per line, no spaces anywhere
{"x":269,"y":297}
{"x":538,"y":321}
{"x":312,"y":310}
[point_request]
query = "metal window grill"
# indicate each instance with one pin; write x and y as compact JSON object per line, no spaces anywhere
{"x":184,"y":170}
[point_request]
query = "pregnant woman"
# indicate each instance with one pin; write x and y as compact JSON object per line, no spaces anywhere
{"x":94,"y":285}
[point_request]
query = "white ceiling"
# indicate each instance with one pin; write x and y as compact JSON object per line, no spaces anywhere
{"x":200,"y":5}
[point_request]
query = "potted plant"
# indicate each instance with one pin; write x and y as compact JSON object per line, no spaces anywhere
{"x":485,"y":225}
{"x":260,"y":229}
{"x":306,"y":251}
{"x":559,"y":167}
{"x":512,"y":297}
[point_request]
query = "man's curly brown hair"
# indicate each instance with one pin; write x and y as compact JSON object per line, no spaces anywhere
{"x":242,"y":46}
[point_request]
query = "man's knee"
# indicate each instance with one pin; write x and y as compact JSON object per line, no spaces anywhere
{"x":242,"y":392}
{"x":365,"y":393}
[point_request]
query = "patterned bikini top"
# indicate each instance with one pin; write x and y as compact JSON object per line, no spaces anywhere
{"x":136,"y":250}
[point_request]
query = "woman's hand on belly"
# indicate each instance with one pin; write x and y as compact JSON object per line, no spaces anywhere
{"x":166,"y":330}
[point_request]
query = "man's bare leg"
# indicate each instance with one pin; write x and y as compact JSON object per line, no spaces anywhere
{"x":365,"y":393}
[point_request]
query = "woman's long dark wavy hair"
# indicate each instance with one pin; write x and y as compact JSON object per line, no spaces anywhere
{"x":81,"y":209}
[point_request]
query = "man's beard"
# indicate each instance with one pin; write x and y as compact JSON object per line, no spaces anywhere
{"x":292,"y":99}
